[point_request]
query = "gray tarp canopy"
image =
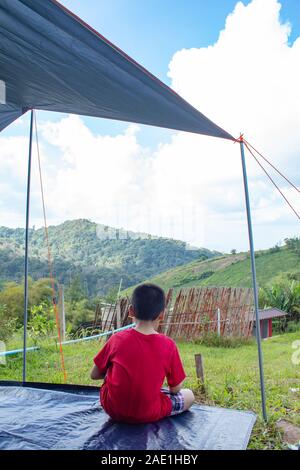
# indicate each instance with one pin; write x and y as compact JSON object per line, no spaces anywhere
{"x":51,"y":60}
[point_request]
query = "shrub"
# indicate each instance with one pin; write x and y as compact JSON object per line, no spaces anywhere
{"x":215,"y":341}
{"x":40,"y":324}
{"x":79,"y":312}
{"x":293,"y":327}
{"x":7,"y":325}
{"x":274,"y":249}
{"x":293,"y":244}
{"x":294,"y":276}
{"x":206,"y":274}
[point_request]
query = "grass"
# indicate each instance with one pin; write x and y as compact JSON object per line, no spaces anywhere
{"x":231,"y":377}
{"x":268,"y":265}
{"x":228,"y":270}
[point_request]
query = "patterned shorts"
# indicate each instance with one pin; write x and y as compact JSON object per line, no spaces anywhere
{"x":177,"y":400}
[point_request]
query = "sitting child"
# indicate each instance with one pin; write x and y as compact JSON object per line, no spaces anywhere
{"x":135,"y":362}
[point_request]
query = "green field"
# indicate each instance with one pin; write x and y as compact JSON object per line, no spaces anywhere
{"x":231,"y":377}
{"x":229,"y":270}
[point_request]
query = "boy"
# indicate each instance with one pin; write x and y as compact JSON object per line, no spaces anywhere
{"x":134,"y":364}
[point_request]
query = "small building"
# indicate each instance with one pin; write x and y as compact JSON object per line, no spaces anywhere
{"x":266,"y":321}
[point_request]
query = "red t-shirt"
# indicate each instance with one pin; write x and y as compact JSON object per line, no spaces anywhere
{"x":136,"y":366}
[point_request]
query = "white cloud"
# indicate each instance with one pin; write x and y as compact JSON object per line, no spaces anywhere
{"x":190,"y":187}
{"x":249,"y":80}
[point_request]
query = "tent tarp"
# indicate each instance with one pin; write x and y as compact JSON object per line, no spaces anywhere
{"x":70,"y":417}
{"x":51,"y":60}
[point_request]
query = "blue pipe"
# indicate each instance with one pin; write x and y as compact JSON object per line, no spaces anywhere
{"x":16,"y":351}
{"x":89,"y":338}
{"x":72,"y":341}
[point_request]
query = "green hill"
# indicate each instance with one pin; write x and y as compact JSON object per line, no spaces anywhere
{"x":96,"y":254}
{"x":230,"y":270}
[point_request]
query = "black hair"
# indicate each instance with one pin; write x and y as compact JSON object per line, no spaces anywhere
{"x":148,"y":301}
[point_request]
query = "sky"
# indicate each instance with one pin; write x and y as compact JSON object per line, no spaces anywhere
{"x":238,"y":63}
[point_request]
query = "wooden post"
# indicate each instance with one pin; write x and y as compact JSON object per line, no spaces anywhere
{"x":98,"y":315}
{"x":219,"y":321}
{"x":118,"y":308}
{"x":199,"y":368}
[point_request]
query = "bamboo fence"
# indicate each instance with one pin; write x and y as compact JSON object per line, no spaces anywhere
{"x":193,"y":313}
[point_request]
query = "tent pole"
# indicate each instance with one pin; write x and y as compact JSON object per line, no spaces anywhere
{"x":25,"y":318}
{"x":254,"y":282}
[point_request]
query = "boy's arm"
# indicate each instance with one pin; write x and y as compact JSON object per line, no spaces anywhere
{"x":176,"y":374}
{"x":96,"y":374}
{"x":177,"y":388}
{"x":102,"y":361}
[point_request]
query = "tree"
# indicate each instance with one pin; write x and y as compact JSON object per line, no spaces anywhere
{"x":233,"y":251}
{"x":12,"y":296}
{"x":282,"y":294}
{"x":111,"y":296}
{"x":75,"y":291}
{"x":293,"y":244}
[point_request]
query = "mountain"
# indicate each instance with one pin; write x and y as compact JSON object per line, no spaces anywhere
{"x":97,"y":254}
{"x":231,"y":270}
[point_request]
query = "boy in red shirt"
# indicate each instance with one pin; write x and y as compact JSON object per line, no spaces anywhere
{"x":135,"y":362}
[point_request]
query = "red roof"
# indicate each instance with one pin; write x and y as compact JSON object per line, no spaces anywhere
{"x":274,"y":312}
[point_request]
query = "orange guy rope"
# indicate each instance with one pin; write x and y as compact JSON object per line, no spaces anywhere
{"x":49,"y":256}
